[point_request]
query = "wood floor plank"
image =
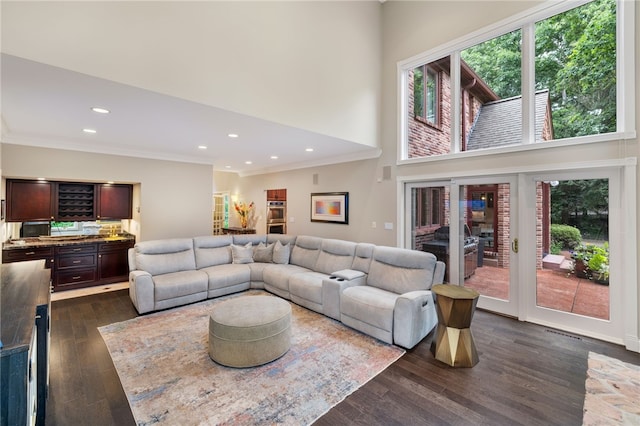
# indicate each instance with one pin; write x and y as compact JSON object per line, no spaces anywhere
{"x":527,"y":374}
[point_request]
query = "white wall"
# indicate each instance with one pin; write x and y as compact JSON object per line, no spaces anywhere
{"x":311,"y":65}
{"x":174,"y":198}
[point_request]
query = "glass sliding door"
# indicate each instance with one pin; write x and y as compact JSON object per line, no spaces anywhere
{"x":488,"y":242}
{"x":468,"y":225}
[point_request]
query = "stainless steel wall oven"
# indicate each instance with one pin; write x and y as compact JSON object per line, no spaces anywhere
{"x":276,"y":217}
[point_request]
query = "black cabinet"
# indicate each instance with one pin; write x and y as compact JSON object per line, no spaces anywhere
{"x":75,"y":202}
{"x":24,"y":332}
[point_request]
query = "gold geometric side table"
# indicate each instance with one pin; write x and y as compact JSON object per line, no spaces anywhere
{"x":453,"y":343}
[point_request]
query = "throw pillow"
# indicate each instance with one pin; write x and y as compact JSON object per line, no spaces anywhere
{"x":242,"y":254}
{"x":262,"y":253}
{"x":281,"y":253}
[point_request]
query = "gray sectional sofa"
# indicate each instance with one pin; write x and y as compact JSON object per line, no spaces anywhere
{"x":381,"y":291}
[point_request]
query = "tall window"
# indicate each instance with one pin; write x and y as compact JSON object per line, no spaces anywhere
{"x":571,"y":83}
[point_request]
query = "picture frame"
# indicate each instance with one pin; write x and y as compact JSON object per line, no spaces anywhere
{"x":3,"y":210}
{"x":330,"y":207}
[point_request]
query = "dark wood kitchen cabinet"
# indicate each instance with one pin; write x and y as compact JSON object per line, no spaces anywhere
{"x":29,"y":200}
{"x":75,"y":266}
{"x":114,"y":201}
{"x":28,"y":253}
{"x":113,"y":262}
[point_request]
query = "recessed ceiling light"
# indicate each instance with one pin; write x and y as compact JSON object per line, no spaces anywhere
{"x":248,"y":162}
{"x":202,"y":147}
{"x":227,"y":167}
{"x":100,"y":110}
{"x":110,"y":182}
{"x":232,"y":135}
{"x":309,"y":149}
{"x":89,"y":130}
{"x":274,"y":157}
{"x":42,"y":179}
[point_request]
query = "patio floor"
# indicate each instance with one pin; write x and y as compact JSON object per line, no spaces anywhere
{"x":555,"y":290}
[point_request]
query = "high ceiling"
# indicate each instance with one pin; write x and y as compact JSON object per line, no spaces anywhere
{"x":46,"y":106}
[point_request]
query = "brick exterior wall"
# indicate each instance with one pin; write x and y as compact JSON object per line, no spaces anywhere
{"x":425,"y":140}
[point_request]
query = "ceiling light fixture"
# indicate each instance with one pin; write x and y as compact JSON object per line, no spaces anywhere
{"x":248,"y":162}
{"x":100,"y":110}
{"x":309,"y":149}
{"x":202,"y":147}
{"x":227,"y":167}
{"x":89,"y":131}
{"x":232,"y":135}
{"x":274,"y":157}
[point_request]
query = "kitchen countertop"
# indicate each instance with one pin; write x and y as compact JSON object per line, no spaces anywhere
{"x":31,"y":242}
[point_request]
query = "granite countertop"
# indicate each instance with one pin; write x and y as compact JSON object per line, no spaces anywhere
{"x":64,"y":240}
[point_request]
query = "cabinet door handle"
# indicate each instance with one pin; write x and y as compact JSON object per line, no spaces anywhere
{"x":31,"y":253}
{"x":77,"y":277}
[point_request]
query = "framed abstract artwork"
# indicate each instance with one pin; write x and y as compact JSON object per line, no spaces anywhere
{"x":332,"y":207}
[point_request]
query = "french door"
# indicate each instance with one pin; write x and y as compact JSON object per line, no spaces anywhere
{"x":573,"y":281}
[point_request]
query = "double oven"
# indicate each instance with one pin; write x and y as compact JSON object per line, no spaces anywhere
{"x":276,"y":217}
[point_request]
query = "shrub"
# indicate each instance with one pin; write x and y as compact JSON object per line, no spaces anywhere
{"x":566,"y":236}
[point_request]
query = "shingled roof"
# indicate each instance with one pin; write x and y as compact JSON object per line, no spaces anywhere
{"x":499,"y":123}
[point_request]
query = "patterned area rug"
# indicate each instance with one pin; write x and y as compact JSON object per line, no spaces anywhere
{"x":612,"y":392}
{"x":164,"y":366}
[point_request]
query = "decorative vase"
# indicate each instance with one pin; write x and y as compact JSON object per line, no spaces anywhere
{"x":243,"y":221}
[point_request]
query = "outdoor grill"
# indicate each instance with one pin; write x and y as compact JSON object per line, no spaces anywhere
{"x":439,"y":246}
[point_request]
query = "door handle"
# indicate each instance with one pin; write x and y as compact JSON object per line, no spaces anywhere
{"x":514,"y":245}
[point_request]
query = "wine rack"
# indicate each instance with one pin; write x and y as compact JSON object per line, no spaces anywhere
{"x":76,"y":202}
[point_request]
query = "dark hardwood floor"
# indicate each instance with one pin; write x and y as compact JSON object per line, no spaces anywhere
{"x":527,"y":374}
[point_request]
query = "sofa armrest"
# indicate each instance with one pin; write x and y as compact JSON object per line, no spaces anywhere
{"x":333,"y":287}
{"x":414,"y":316}
{"x":141,"y":291}
{"x":438,"y":274}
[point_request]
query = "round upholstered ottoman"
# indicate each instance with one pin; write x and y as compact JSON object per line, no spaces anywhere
{"x":249,"y":330}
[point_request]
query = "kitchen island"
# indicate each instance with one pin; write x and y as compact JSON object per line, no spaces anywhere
{"x":76,"y":261}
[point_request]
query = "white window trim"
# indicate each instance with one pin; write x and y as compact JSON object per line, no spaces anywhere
{"x":525,"y":21}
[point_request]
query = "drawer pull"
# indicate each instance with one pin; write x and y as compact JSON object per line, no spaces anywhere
{"x":30,"y":253}
{"x":76,"y":261}
{"x":77,"y":249}
{"x":77,"y":277}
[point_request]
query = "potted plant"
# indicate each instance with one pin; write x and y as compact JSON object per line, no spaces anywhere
{"x":599,"y":264}
{"x":581,"y":256}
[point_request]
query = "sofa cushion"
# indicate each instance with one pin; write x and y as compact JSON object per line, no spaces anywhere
{"x":335,"y":255}
{"x":213,"y":250}
{"x":400,"y":270}
{"x":281,"y":253}
{"x":242,"y":254}
{"x":164,"y":256}
{"x":177,"y":284}
{"x":305,"y":252}
{"x":262,"y":253}
{"x":371,"y":305}
{"x":307,"y":285}
{"x":283,"y":238}
{"x":221,"y":276}
{"x":278,"y":275}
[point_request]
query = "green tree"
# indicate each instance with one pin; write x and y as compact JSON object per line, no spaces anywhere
{"x":575,"y":61}
{"x":583,"y":204}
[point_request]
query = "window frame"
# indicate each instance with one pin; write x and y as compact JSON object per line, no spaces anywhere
{"x":525,"y":21}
